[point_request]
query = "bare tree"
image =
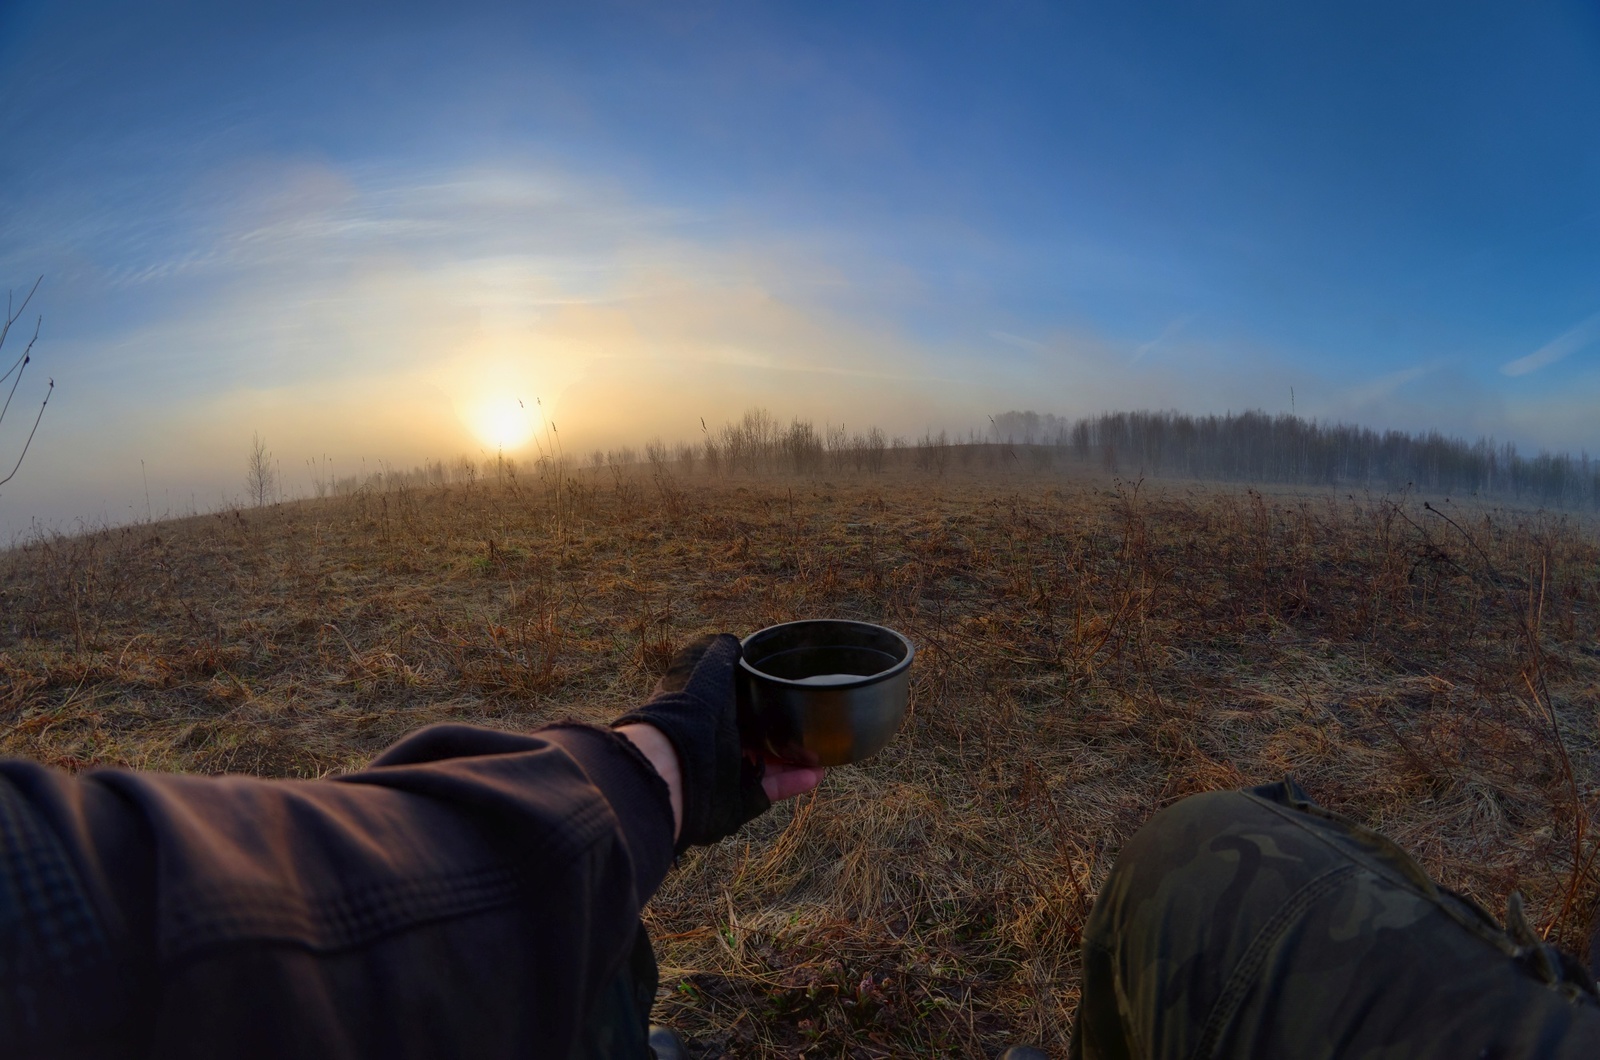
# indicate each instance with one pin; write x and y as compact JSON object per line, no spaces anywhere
{"x":260,"y":476}
{"x":14,"y":373}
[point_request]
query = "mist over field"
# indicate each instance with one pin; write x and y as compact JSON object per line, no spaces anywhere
{"x":387,"y":241}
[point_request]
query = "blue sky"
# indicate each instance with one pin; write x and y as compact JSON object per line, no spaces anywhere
{"x":364,"y":229}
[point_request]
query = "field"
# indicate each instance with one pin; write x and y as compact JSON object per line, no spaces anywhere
{"x":1090,"y":650}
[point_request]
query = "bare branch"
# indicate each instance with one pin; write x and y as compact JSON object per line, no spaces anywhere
{"x":12,"y":318}
{"x":31,"y":433}
{"x":22,"y":363}
{"x":17,"y":368}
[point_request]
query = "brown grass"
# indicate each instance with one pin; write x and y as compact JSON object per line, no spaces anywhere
{"x":1090,"y":651}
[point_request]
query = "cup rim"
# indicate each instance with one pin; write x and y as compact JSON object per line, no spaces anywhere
{"x":866,"y":680}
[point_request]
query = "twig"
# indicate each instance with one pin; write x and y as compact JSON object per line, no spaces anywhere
{"x":17,"y":466}
{"x":12,"y":318}
{"x":20,"y":367}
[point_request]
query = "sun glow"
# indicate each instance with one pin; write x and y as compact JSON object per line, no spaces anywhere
{"x":503,"y":422}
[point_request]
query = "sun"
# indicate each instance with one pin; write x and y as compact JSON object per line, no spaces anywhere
{"x":503,"y":421}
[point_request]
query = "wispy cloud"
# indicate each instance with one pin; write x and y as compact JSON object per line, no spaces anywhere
{"x":1563,"y":345}
{"x":1363,"y":396}
{"x":1167,"y":333}
{"x":372,"y":316}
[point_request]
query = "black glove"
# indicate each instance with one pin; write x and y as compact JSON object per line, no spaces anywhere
{"x":695,"y":707}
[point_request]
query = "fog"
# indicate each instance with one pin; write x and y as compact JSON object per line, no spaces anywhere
{"x":458,"y":236}
{"x":394,"y":326}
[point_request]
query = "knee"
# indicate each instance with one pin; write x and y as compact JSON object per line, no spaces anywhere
{"x":1185,"y":856}
{"x":1183,"y":835}
{"x":1153,"y":917}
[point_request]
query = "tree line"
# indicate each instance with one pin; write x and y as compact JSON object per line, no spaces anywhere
{"x":1237,"y":447}
{"x":1257,"y":447}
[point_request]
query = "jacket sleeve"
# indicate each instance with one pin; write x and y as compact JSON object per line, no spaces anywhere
{"x":469,"y":894}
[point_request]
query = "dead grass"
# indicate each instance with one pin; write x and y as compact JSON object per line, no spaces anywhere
{"x":1090,"y":651}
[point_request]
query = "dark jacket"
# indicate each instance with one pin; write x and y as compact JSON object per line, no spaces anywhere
{"x":470,"y":894}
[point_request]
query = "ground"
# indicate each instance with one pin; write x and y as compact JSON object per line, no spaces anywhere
{"x":1089,"y":650}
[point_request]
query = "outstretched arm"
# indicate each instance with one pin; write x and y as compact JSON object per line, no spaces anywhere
{"x":467,"y":895}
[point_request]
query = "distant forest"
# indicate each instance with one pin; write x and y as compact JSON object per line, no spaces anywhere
{"x":1256,"y":447}
{"x":1247,"y":447}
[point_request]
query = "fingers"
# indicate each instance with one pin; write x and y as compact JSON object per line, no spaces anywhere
{"x":686,"y":659}
{"x":785,"y":781}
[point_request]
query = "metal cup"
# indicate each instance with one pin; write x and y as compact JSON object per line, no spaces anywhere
{"x":823,"y":692}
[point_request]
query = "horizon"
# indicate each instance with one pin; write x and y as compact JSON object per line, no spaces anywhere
{"x":1250,"y":451}
{"x":385,"y":233}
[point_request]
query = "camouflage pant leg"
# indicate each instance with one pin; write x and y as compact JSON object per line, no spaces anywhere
{"x":1257,"y":924}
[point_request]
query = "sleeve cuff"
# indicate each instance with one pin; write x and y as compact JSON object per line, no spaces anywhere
{"x":637,"y":795}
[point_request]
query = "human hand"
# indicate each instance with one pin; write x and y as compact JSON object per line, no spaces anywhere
{"x":695,"y":709}
{"x":784,"y":780}
{"x":779,"y":780}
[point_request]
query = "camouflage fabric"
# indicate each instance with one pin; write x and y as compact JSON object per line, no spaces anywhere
{"x":1257,"y":924}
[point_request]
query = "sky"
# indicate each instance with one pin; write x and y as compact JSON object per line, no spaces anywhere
{"x":382,"y":233}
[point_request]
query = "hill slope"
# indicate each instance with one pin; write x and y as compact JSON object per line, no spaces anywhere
{"x":1089,"y":652}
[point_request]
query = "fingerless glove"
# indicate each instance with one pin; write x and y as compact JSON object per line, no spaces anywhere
{"x":695,"y":706}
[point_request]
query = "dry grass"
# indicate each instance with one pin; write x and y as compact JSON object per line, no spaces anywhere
{"x":1089,"y":652}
